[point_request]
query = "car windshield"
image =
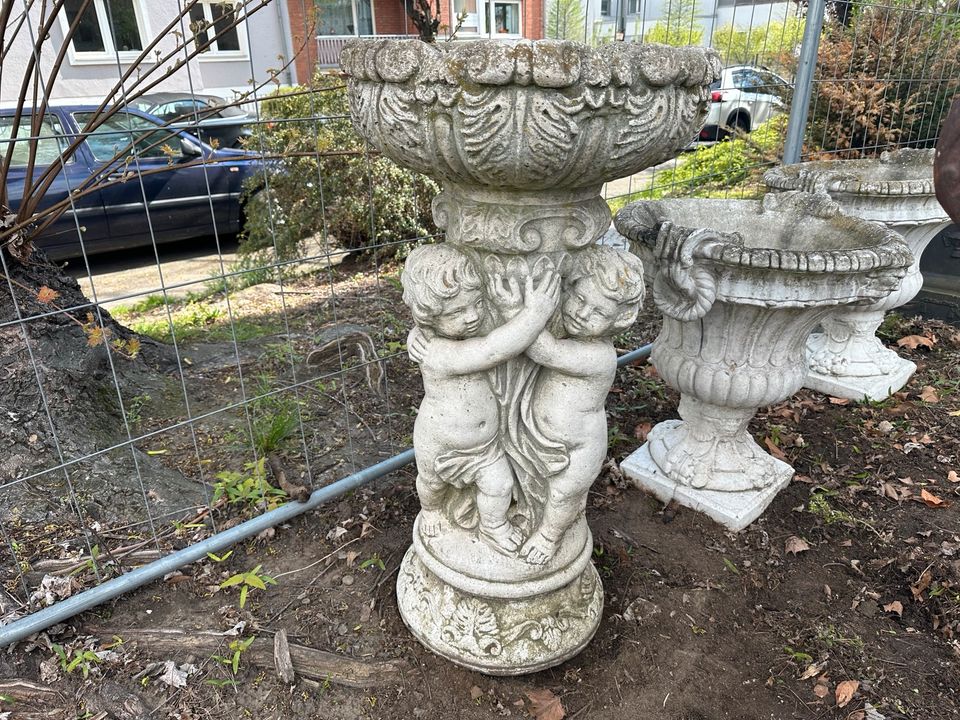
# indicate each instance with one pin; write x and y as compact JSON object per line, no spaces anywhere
{"x":125,"y":133}
{"x":49,"y":140}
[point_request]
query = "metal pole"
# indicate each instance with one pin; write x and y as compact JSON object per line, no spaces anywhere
{"x":42,"y":619}
{"x":803,"y":83}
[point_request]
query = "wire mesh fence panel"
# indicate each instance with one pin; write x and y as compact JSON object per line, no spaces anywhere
{"x":144,"y":408}
{"x":251,"y":351}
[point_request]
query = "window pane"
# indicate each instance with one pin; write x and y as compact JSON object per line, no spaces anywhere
{"x":123,"y":22}
{"x":471,"y":24}
{"x":198,"y":26}
{"x":224,"y":15}
{"x":86,"y":37}
{"x":335,"y":17}
{"x":364,"y":18}
{"x":49,"y":144}
{"x":507,"y":18}
{"x":123,"y":132}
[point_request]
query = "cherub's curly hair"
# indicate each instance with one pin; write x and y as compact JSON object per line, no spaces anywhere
{"x":618,"y":274}
{"x":434,"y":273}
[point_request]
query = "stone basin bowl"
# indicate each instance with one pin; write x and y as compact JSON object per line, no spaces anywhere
{"x":527,"y":115}
{"x":788,"y":250}
{"x":897,"y":187}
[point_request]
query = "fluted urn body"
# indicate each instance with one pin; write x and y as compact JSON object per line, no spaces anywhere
{"x":514,"y":315}
{"x":741,"y":284}
{"x":846,"y":358}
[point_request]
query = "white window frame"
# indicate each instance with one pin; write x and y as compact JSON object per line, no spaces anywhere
{"x":488,"y":19}
{"x":356,"y":23}
{"x":110,"y":53}
{"x":215,"y":54}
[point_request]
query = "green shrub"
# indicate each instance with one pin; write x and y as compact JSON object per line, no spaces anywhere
{"x":732,"y":168}
{"x":679,"y":28}
{"x":886,"y":78}
{"x":324,"y":180}
{"x":773,"y":45}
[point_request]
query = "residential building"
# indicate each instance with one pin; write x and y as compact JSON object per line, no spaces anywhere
{"x":336,"y":21}
{"x":630,"y":19}
{"x":112,"y":33}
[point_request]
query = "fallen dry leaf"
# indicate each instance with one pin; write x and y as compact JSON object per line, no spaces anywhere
{"x":839,"y":401}
{"x":544,"y":705}
{"x":929,"y":394}
{"x":894,"y":607}
{"x":821,"y":691}
{"x":954,"y":413}
{"x":953,"y":477}
{"x":932,"y":500}
{"x":774,"y":449}
{"x":845,"y":692}
{"x":915,"y":341}
{"x":811,"y":671}
{"x":46,"y":295}
{"x":475,"y":693}
{"x":921,"y":585}
{"x":641,"y":431}
{"x":795,"y":545}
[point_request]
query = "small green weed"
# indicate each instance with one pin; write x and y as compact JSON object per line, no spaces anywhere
{"x":830,"y":636}
{"x":373,"y":561}
{"x":238,"y":647}
{"x":798,"y":656}
{"x":71,"y":660}
{"x":249,"y":488}
{"x":246,"y":580}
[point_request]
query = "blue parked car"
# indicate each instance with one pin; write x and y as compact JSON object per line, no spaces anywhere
{"x":155,"y":198}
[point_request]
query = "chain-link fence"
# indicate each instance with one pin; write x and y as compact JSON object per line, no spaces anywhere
{"x":141,"y":413}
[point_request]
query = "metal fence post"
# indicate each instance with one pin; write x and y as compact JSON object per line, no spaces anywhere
{"x":803,"y":83}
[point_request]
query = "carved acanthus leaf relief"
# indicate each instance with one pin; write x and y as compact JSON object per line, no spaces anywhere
{"x":493,"y":114}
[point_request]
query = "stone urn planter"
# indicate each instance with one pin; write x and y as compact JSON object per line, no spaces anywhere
{"x":846,"y":358}
{"x":514,"y":315}
{"x":741,"y":283}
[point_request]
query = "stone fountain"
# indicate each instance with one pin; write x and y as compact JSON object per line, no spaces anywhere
{"x":847,"y":359}
{"x":741,"y":283}
{"x":514,"y":315}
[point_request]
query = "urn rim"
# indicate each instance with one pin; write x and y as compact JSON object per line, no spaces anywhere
{"x":860,"y":246}
{"x":906,"y":172}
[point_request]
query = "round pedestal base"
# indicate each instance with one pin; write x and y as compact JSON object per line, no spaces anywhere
{"x":498,"y":636}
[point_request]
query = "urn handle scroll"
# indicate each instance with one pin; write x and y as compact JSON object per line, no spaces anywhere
{"x":682,"y":288}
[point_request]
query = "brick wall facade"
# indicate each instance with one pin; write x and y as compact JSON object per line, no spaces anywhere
{"x":389,"y":18}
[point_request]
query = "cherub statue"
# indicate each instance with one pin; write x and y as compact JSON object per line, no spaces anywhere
{"x":456,"y":432}
{"x":603,"y":294}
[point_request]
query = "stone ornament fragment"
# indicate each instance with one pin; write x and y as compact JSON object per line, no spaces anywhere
{"x":741,"y":283}
{"x":846,"y":358}
{"x":514,"y":316}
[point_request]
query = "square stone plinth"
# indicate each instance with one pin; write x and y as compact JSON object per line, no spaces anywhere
{"x":874,"y":387}
{"x":734,"y":510}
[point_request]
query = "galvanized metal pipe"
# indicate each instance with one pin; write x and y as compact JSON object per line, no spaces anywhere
{"x":64,"y":609}
{"x":803,"y":82}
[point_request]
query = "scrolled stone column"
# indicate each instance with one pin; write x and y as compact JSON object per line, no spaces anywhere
{"x":514,"y":315}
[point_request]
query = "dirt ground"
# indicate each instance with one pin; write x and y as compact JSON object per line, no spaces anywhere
{"x":847,"y":590}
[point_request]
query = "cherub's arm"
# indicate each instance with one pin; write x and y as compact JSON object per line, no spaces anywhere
{"x":463,"y":357}
{"x":574,"y":357}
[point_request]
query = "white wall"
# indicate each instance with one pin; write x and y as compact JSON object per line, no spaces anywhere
{"x":83,"y":80}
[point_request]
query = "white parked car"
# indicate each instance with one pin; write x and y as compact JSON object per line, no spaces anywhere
{"x":743,"y":98}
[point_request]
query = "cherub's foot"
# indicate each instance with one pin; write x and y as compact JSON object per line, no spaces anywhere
{"x":538,"y":549}
{"x":431,"y":522}
{"x":504,"y":538}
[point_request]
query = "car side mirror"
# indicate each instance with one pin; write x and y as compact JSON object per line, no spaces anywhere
{"x":188,"y":148}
